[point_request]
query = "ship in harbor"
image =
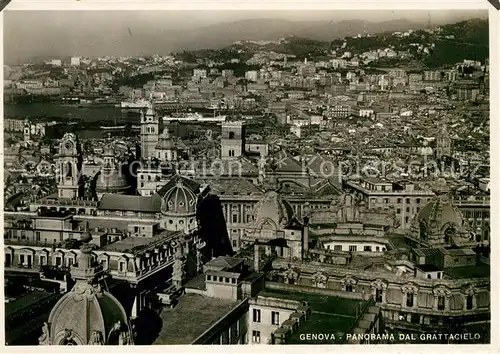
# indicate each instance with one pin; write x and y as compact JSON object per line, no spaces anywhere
{"x":135,"y":104}
{"x":194,"y":118}
{"x":115,"y":127}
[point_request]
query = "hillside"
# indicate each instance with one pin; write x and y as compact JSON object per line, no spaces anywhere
{"x":471,"y":41}
{"x":456,"y":42}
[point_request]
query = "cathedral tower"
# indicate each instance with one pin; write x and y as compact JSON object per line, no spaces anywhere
{"x":70,"y":178}
{"x":149,"y":133}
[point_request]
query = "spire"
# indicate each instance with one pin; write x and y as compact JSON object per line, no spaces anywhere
{"x":85,"y":270}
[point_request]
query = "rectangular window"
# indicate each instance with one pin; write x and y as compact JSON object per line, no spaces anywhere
{"x":209,"y":277}
{"x":235,"y":243}
{"x":37,"y":235}
{"x":409,"y":300}
{"x":367,"y":248}
{"x":418,"y":200}
{"x":235,"y":218}
{"x":233,"y":280}
{"x":337,"y":247}
{"x":441,"y":303}
{"x":439,"y":275}
{"x":407,"y":209}
{"x":400,"y":200}
{"x":58,"y":261}
{"x":378,"y":295}
{"x":256,"y":315}
{"x":275,"y":318}
{"x":226,"y":280}
{"x":469,"y":302}
{"x":42,"y":260}
{"x":398,"y":211}
{"x":353,"y":248}
{"x":70,"y":262}
{"x":122,"y":266}
{"x":386,"y":200}
{"x":256,"y":336}
{"x":407,"y":200}
{"x":349,"y":288}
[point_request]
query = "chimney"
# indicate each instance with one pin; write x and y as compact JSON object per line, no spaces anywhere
{"x":256,"y":258}
{"x":305,"y":236}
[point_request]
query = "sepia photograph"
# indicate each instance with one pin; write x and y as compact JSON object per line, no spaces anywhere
{"x":237,"y":177}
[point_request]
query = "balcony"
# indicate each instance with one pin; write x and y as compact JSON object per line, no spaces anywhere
{"x":485,"y":201}
{"x":136,"y":276}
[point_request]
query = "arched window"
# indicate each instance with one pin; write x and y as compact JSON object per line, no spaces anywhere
{"x":69,"y":169}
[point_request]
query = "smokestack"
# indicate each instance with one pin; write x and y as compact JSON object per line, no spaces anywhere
{"x":256,"y":258}
{"x":305,"y":236}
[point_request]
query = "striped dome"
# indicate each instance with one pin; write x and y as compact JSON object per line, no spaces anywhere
{"x":179,"y":197}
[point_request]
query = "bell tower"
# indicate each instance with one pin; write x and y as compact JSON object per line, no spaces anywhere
{"x":443,"y":143}
{"x":69,"y":160}
{"x":149,"y":133}
{"x":27,"y":131}
{"x":233,"y":140}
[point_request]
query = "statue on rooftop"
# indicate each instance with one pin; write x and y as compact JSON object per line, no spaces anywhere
{"x":45,"y":337}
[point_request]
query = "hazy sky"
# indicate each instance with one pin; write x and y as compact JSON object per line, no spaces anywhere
{"x":41,"y":33}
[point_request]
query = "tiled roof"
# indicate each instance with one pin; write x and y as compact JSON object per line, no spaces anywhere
{"x":130,"y":203}
{"x":285,"y":162}
{"x":232,"y":186}
{"x":225,"y":262}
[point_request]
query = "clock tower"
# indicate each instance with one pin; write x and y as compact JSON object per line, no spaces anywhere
{"x":69,"y":162}
{"x":149,"y":133}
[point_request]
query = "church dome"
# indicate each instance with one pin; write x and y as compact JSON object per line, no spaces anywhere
{"x":111,"y":181}
{"x":273,"y":210}
{"x":440,"y":222}
{"x":108,"y":152}
{"x":179,"y":197}
{"x":166,"y":142}
{"x":87,"y":314}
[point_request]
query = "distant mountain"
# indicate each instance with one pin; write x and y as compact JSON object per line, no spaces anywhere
{"x":133,"y":38}
{"x":223,"y":34}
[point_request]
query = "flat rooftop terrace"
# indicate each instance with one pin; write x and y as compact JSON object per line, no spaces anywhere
{"x":329,"y":314}
{"x":193,"y":315}
{"x":134,"y":244}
